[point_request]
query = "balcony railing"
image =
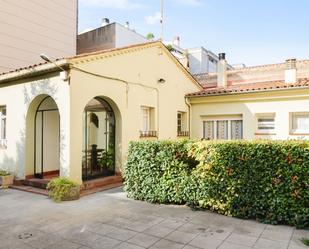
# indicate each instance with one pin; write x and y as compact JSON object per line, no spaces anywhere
{"x":148,"y":134}
{"x":183,"y":134}
{"x":3,"y":143}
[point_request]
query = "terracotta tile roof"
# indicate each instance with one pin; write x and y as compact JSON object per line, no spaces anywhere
{"x":248,"y":88}
{"x":28,"y":67}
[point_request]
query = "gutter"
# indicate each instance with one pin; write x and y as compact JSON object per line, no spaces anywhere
{"x":249,"y":92}
{"x":189,"y":114}
{"x":34,"y":71}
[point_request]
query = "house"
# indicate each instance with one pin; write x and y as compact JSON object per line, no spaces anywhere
{"x":33,"y":27}
{"x":262,"y":102}
{"x":109,"y":35}
{"x":75,"y":116}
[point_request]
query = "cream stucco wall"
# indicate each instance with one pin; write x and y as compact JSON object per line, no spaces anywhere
{"x":281,"y":103}
{"x":21,"y":99}
{"x":141,"y":69}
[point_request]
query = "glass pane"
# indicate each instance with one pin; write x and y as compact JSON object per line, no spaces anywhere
{"x":236,"y":129}
{"x":145,"y":119}
{"x":222,"y":129}
{"x":179,"y":122}
{"x":99,"y":137}
{"x":266,"y":123}
{"x":209,"y":130}
{"x":301,"y":122}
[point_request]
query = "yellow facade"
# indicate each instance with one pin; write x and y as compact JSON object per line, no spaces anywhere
{"x":279,"y":104}
{"x":128,"y":79}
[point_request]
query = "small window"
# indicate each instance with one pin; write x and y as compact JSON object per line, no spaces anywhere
{"x":300,"y":123}
{"x":147,"y":122}
{"x":266,"y":122}
{"x":3,"y":141}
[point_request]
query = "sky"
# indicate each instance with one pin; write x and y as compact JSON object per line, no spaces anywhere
{"x":253,"y":32}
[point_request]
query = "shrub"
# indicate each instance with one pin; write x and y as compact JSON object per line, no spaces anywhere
{"x":4,"y":173}
{"x":61,"y":189}
{"x":263,"y":180}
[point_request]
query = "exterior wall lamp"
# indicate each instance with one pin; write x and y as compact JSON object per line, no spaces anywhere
{"x":63,"y":73}
{"x":161,"y":81}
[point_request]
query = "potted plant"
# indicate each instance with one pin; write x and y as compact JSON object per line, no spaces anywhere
{"x":107,"y":162}
{"x":63,"y":189}
{"x":6,"y":179}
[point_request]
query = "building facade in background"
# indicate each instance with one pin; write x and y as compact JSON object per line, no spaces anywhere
{"x":31,"y":27}
{"x":109,"y":35}
{"x":197,"y":60}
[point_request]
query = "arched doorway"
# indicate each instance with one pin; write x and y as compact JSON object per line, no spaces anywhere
{"x":46,"y":138}
{"x":99,"y":139}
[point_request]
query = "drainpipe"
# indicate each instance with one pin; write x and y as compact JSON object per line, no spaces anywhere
{"x":189,"y":115}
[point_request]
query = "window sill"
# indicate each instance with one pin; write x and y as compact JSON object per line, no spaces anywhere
{"x":265,"y":134}
{"x":299,"y":134}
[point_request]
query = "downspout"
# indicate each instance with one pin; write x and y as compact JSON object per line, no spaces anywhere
{"x":189,"y":115}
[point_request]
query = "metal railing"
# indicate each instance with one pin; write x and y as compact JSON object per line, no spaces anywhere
{"x":148,"y":133}
{"x":183,"y":134}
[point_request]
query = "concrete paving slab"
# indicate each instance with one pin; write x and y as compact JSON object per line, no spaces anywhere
{"x":110,"y":220}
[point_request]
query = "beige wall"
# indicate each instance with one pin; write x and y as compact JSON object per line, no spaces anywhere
{"x":21,"y":99}
{"x":31,"y":27}
{"x":281,"y":103}
{"x":142,"y":68}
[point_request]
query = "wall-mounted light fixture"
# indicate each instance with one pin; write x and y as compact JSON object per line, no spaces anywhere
{"x":63,"y":74}
{"x":161,"y":81}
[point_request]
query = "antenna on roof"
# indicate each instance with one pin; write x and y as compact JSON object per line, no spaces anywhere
{"x":161,"y":20}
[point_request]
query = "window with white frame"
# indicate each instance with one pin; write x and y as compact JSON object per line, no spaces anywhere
{"x":182,"y":124}
{"x":223,"y":127}
{"x":266,"y":122}
{"x":3,"y":141}
{"x":145,"y":126}
{"x":300,"y":122}
{"x":147,"y":122}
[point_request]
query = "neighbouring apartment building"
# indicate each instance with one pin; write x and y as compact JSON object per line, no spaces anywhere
{"x":29,"y":28}
{"x":198,"y":60}
{"x":108,"y":36}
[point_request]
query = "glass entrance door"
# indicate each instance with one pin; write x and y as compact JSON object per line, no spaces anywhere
{"x":99,"y":140}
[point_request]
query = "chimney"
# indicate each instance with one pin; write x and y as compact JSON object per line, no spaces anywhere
{"x":176,"y":41}
{"x":105,"y":21}
{"x":127,"y":25}
{"x":290,"y":76}
{"x":221,"y":71}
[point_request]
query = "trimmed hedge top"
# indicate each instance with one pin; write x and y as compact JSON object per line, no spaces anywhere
{"x":263,"y":180}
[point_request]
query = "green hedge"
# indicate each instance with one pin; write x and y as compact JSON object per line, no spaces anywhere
{"x":263,"y":180}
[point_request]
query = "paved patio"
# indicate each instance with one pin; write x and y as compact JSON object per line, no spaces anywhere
{"x":110,"y":220}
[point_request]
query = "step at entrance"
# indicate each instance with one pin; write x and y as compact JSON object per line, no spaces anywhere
{"x":37,"y":183}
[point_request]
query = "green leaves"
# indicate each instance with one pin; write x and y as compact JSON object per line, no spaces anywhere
{"x":263,"y":180}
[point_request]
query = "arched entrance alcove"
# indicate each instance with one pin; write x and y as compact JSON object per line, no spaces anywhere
{"x":42,"y":138}
{"x":100,"y":138}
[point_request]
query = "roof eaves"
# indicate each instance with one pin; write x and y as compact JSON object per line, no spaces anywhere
{"x":33,"y":70}
{"x":243,"y":91}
